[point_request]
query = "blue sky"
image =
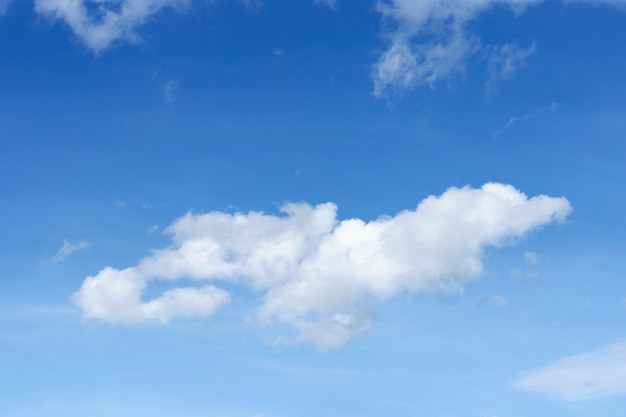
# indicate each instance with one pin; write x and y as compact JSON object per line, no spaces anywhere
{"x":263,"y":208}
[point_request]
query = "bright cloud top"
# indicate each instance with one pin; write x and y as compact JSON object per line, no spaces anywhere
{"x":100,"y":23}
{"x":313,"y":269}
{"x":581,"y":377}
{"x":429,"y":41}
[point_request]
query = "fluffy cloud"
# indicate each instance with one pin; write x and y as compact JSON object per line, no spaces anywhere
{"x":311,"y":269}
{"x":581,"y":377}
{"x":100,"y":23}
{"x":429,"y":41}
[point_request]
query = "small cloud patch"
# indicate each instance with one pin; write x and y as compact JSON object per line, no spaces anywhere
{"x":66,"y":250}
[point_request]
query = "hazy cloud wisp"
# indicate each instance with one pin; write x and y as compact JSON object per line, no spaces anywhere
{"x":66,"y":250}
{"x":4,"y":6}
{"x":170,"y":91}
{"x":581,"y":377}
{"x":99,"y":24}
{"x":328,"y":3}
{"x":504,"y":62}
{"x":428,"y":41}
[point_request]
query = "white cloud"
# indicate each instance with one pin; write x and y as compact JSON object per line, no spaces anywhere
{"x":66,"y":250}
{"x":312,"y":269}
{"x":581,"y":377}
{"x":494,"y":300}
{"x":404,"y":65}
{"x":170,"y":91}
{"x":328,"y":3}
{"x":101,"y":23}
{"x":253,"y":5}
{"x":115,"y":296}
{"x":531,"y":258}
{"x":331,"y":331}
{"x":429,"y":41}
{"x":4,"y":6}
{"x":514,"y":120}
{"x":443,"y":48}
{"x":504,"y":62}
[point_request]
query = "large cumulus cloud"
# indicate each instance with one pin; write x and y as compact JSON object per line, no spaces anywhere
{"x":310,"y":268}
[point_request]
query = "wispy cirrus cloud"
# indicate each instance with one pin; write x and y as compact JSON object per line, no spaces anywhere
{"x":515,"y":120}
{"x":4,"y":6}
{"x":531,"y":269}
{"x":66,"y":250}
{"x":531,"y":258}
{"x":582,"y":377}
{"x":504,"y":62}
{"x":253,"y":5}
{"x":170,"y":91}
{"x":313,"y":270}
{"x":495,"y":300}
{"x":328,"y":3}
{"x":429,"y":41}
{"x":99,"y":24}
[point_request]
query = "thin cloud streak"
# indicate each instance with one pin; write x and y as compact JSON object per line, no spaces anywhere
{"x":66,"y":250}
{"x":514,"y":120}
